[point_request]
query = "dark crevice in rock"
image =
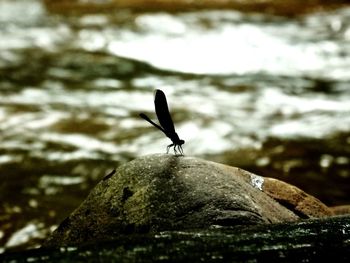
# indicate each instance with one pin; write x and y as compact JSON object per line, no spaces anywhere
{"x":237,"y":217}
{"x":109,"y":175}
{"x":127,"y":193}
{"x":292,"y":208}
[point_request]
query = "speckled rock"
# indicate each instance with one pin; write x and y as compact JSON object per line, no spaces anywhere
{"x":167,"y":192}
{"x":340,"y":210}
{"x":303,"y":204}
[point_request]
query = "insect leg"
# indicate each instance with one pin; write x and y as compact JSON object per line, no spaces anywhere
{"x":175,"y":149}
{"x":180,"y":149}
{"x":168,"y":147}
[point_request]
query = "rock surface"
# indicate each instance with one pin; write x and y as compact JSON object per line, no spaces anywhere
{"x":340,"y":210}
{"x":290,"y":196}
{"x":166,"y":192}
{"x":305,"y":205}
{"x":315,"y":240}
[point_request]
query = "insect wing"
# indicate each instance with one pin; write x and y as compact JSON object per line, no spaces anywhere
{"x":145,"y":117}
{"x":163,"y":113}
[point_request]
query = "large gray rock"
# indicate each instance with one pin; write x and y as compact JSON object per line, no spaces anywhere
{"x":167,"y":192}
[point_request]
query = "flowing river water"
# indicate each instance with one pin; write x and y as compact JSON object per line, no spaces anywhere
{"x":265,"y":93}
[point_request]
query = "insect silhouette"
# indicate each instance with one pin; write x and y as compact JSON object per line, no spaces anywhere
{"x":166,"y":122}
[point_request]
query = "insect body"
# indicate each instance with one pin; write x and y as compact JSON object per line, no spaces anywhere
{"x":166,"y":122}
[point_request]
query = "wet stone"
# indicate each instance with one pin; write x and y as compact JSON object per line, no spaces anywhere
{"x":340,"y":210}
{"x":166,"y":193}
{"x":303,"y":204}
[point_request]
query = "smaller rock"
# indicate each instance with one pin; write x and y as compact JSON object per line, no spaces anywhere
{"x":340,"y":209}
{"x":290,"y":196}
{"x":303,"y":204}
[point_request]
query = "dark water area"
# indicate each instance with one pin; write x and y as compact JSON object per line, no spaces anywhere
{"x":265,"y":93}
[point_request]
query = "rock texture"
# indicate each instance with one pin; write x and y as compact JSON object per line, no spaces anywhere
{"x":340,"y":210}
{"x":167,"y":192}
{"x":304,"y":205}
{"x":315,"y":240}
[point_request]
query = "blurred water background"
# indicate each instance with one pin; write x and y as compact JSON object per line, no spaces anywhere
{"x":263,"y":92}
